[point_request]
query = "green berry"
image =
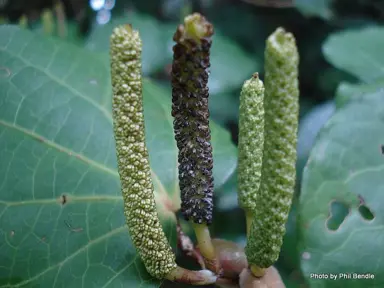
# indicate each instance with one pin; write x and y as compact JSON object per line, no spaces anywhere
{"x":279,"y":155}
{"x":251,"y":141}
{"x":133,"y":160}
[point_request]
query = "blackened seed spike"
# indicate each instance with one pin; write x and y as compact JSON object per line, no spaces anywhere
{"x":191,"y":124}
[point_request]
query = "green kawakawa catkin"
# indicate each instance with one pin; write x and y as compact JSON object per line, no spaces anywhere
{"x":279,"y":155}
{"x":133,"y":160}
{"x":251,"y":141}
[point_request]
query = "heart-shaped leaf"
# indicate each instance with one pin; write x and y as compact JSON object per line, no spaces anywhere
{"x":345,"y":173}
{"x":61,"y":210}
{"x":357,"y":52}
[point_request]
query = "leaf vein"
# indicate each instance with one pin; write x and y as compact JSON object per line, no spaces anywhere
{"x":120,"y":272}
{"x":102,"y":109}
{"x":60,"y":148}
{"x":60,"y":264}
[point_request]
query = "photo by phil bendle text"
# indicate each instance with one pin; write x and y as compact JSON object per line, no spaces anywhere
{"x":342,"y":276}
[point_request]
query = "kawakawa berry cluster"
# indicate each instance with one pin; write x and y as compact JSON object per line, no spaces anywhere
{"x":268,"y":124}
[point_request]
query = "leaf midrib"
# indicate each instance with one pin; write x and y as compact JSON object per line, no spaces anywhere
{"x":59,"y":148}
{"x":72,"y":199}
{"x":162,"y":191}
{"x":82,"y":249}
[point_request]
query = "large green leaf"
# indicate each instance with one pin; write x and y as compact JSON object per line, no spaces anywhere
{"x":56,"y":139}
{"x":358,"y":52}
{"x":345,"y":173}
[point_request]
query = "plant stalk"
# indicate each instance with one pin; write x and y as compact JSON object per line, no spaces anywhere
{"x":206,"y":248}
{"x":257,"y":271}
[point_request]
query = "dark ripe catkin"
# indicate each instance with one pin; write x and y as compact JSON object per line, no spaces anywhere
{"x":191,"y":117}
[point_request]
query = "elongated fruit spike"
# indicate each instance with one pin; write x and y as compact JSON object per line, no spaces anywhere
{"x":190,"y":112}
{"x":133,"y":160}
{"x":279,"y":156}
{"x":251,"y":144}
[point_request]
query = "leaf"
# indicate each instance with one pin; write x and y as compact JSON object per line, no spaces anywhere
{"x":227,"y":194}
{"x":56,"y":139}
{"x":230,"y":65}
{"x":309,"y":127}
{"x":356,"y":52}
{"x":223,"y":108}
{"x":150,"y":31}
{"x":72,"y":31}
{"x":345,"y":168}
{"x":234,"y":21}
{"x":320,"y":8}
{"x":346,"y":91}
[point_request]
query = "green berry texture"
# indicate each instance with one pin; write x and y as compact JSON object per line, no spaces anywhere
{"x":133,"y":160}
{"x":281,"y":105}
